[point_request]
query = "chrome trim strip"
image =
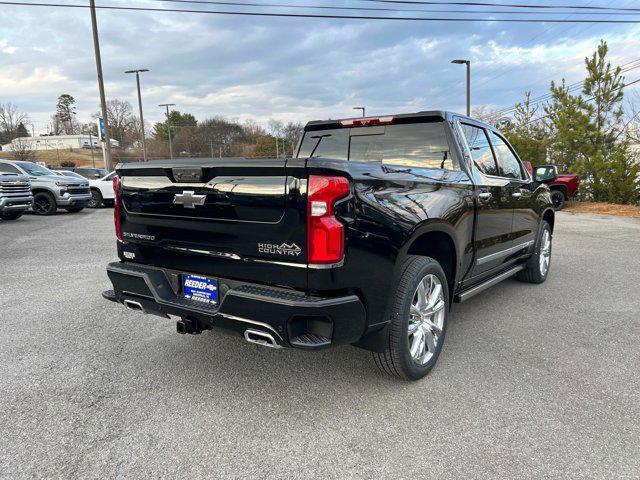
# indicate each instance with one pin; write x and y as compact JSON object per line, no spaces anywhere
{"x":503,"y":253}
{"x":212,"y":253}
{"x":277,"y":262}
{"x":253,"y":322}
{"x":489,"y":283}
{"x":317,"y":266}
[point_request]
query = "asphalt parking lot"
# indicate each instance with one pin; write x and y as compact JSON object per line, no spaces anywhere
{"x":534,"y":381}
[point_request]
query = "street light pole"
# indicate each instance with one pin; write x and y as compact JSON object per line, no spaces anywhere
{"x":468,"y":64}
{"x":103,"y":103}
{"x":138,"y":72}
{"x":360,"y":108}
{"x":167,"y":105}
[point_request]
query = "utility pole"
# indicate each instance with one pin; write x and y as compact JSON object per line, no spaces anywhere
{"x":211,"y":145}
{"x":168,"y":126}
{"x":93,"y":159}
{"x":138,"y":72}
{"x":103,"y":104}
{"x":360,"y":108}
{"x":468,"y":64}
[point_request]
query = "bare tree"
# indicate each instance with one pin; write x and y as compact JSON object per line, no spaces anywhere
{"x":10,"y":118}
{"x":485,"y":114}
{"x":20,"y":150}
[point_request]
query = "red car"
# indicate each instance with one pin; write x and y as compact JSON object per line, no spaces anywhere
{"x":562,"y":188}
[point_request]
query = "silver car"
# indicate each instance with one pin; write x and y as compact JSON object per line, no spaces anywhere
{"x":50,"y":191}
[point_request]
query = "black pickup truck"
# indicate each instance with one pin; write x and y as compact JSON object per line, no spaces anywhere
{"x":365,"y":237}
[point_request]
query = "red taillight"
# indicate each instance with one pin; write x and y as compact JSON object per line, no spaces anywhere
{"x":367,"y":121}
{"x":325,"y":234}
{"x":117,"y":219}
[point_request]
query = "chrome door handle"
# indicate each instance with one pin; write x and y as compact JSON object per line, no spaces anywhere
{"x":485,"y":195}
{"x":516,"y":195}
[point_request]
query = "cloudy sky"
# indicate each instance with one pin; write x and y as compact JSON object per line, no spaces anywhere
{"x":290,"y":69}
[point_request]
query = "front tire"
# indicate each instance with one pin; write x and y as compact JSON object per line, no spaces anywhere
{"x":557,"y":198}
{"x":417,"y":321}
{"x":44,"y":204}
{"x":96,"y":199}
{"x":538,"y":265}
{"x":11,"y":215}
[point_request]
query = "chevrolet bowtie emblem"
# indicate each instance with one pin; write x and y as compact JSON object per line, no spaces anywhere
{"x":189,"y":199}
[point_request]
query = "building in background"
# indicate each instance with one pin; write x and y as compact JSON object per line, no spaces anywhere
{"x":57,"y":142}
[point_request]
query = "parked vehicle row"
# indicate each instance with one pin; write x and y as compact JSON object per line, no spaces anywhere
{"x":28,"y":186}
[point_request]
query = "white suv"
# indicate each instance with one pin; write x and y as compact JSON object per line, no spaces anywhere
{"x":102,"y":191}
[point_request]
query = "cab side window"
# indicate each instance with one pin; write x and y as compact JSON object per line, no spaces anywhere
{"x":507,"y":161}
{"x":7,"y":168}
{"x":480,"y":149}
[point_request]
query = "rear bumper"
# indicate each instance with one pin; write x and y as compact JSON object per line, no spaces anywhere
{"x":294,"y":319}
{"x":15,"y":204}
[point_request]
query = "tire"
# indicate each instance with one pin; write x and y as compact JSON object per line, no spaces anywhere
{"x":534,"y":271}
{"x":397,"y":359}
{"x":74,"y":209}
{"x":96,"y":199}
{"x":11,"y":215}
{"x":44,"y":204}
{"x":557,"y":197}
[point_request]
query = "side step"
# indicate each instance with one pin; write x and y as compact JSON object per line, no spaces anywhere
{"x":461,"y":297}
{"x":310,"y":340}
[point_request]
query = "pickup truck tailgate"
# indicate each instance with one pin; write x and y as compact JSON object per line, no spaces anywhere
{"x":222,"y":217}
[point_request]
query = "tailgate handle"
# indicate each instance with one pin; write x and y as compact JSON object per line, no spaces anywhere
{"x":187,"y":174}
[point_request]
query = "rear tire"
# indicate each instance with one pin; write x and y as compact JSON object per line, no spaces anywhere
{"x":557,"y":198}
{"x":11,"y":215}
{"x":417,"y":328}
{"x":538,"y":265}
{"x":44,"y":204}
{"x":96,"y":199}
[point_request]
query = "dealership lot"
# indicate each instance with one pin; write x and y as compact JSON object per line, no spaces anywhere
{"x":89,"y":389}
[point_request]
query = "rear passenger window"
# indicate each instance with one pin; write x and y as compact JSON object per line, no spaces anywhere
{"x":507,"y":161}
{"x":480,"y":149}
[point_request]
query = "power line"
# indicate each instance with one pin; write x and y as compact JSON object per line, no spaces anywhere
{"x":382,"y":9}
{"x":570,"y":88}
{"x":324,"y":16}
{"x":508,"y":5}
{"x":587,"y":100}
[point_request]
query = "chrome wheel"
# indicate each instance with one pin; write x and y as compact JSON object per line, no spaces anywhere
{"x":426,"y":319}
{"x":545,"y":252}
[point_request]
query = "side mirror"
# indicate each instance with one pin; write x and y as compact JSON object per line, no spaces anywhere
{"x":545,"y":174}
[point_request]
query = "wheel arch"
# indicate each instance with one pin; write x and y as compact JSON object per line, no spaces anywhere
{"x":436,"y":240}
{"x":549,"y":216}
{"x":561,"y":188}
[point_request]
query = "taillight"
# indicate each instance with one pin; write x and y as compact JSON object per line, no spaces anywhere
{"x":325,"y":234}
{"x":367,"y":121}
{"x":117,"y":218}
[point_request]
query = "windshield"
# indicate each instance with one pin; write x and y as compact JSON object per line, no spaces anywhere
{"x":72,"y":174}
{"x":419,"y":145}
{"x":35,"y":169}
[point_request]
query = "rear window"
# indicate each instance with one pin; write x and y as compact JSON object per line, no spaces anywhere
{"x":419,"y":145}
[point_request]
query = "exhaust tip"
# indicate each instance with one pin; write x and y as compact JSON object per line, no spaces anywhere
{"x":260,"y":338}
{"x":133,"y":305}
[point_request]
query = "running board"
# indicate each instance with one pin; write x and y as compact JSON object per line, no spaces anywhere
{"x":461,"y":297}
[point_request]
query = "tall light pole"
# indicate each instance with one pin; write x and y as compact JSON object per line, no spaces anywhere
{"x":168,"y":126}
{"x":103,"y":103}
{"x":138,"y":72}
{"x":360,"y":108}
{"x":468,"y":64}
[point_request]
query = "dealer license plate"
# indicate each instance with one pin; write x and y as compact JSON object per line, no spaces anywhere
{"x":200,"y":289}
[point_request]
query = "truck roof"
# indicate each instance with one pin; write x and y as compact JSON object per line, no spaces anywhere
{"x":444,"y":114}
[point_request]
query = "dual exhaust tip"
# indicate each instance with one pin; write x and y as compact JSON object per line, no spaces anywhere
{"x":259,"y":337}
{"x":251,"y":335}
